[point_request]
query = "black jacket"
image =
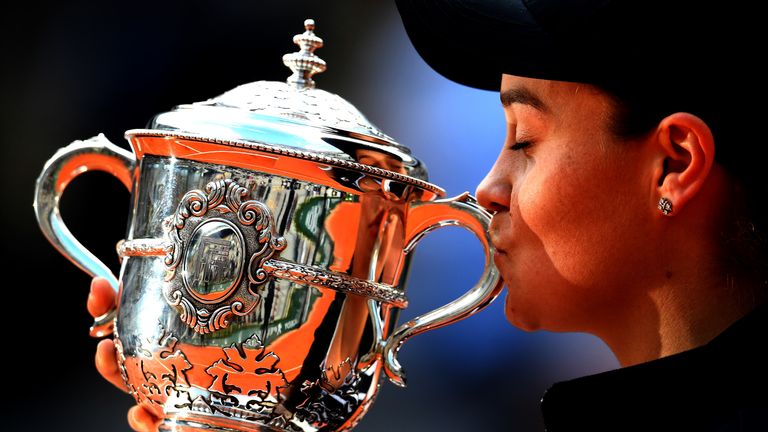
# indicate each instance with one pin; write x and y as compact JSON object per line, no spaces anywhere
{"x":721,"y":386}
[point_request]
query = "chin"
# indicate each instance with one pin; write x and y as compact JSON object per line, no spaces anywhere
{"x":519,"y":318}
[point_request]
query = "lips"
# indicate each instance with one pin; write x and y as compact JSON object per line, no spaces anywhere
{"x":499,"y":231}
{"x":496,"y":240}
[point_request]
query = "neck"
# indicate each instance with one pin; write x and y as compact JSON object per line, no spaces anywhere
{"x":685,"y":296}
{"x":676,"y":317}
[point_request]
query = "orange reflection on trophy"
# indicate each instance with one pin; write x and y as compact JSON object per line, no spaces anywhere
{"x":364,"y":234}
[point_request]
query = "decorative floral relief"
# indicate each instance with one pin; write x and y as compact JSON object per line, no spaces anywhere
{"x":248,"y":372}
{"x":213,"y":234}
{"x":246,"y":384}
{"x":157,"y":372}
{"x":332,"y":399}
{"x":156,"y":376}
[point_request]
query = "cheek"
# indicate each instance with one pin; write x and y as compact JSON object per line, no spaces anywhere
{"x":562,"y":208}
{"x":574,"y":220}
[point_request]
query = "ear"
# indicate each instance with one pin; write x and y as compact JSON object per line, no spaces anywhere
{"x":686,"y":154}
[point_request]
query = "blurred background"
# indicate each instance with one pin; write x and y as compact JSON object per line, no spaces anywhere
{"x":73,"y":69}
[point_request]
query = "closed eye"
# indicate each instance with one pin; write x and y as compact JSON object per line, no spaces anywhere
{"x":520,"y":145}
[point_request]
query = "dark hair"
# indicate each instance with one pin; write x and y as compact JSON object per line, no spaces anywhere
{"x":744,"y":240}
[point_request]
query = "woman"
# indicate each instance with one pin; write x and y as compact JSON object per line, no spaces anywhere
{"x":627,"y":199}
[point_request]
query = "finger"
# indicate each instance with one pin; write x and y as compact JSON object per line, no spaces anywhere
{"x":106,"y":363}
{"x":101,"y":298}
{"x":142,"y":420}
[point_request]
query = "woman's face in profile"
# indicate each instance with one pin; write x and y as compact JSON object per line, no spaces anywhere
{"x":573,"y":206}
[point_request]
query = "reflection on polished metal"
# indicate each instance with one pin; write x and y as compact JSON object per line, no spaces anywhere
{"x":64,"y":166}
{"x":264,"y":265}
{"x":356,"y":167}
{"x":322,"y":278}
{"x":145,"y":247}
{"x":213,"y":263}
{"x":312,"y":275}
{"x":305,"y":63}
{"x":214,"y":249}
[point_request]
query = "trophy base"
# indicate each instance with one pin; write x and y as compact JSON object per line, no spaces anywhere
{"x":193,"y":422}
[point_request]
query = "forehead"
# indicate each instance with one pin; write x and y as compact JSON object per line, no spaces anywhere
{"x":556,"y":98}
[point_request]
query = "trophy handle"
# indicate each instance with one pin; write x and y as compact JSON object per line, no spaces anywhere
{"x":97,"y":153}
{"x":424,"y":217}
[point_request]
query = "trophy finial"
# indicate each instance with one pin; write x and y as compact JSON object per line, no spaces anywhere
{"x":304,"y":63}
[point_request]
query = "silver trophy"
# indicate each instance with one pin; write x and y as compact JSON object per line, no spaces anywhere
{"x":269,"y":239}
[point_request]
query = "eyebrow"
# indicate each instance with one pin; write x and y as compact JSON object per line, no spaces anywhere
{"x":523,"y":96}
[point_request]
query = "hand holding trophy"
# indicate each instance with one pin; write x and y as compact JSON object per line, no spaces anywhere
{"x":269,"y":239}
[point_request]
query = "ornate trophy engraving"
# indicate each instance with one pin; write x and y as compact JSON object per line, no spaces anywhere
{"x":269,"y":239}
{"x":212,"y":250}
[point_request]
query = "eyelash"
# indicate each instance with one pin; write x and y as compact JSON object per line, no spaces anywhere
{"x":520,"y":145}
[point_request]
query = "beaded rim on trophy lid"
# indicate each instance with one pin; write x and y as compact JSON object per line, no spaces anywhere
{"x":304,"y":63}
{"x":293,"y":118}
{"x":235,"y":264}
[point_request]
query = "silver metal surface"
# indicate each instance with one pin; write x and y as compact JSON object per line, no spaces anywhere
{"x":292,"y":118}
{"x":276,"y":113}
{"x":304,"y":63}
{"x":479,"y":296}
{"x":323,"y":278}
{"x":144,"y":247}
{"x":312,"y":275}
{"x":217,"y":235}
{"x":266,"y":255}
{"x":379,"y":164}
{"x":97,"y":153}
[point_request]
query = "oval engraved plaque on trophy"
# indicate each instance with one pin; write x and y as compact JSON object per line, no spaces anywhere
{"x":213,"y":262}
{"x":270,"y":236}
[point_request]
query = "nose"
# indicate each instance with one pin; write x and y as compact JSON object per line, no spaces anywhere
{"x":493,"y":192}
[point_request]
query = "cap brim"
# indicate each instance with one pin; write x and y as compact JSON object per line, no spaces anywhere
{"x":473,"y":42}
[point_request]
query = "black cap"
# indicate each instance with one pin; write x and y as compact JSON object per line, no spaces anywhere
{"x":609,"y":43}
{"x":698,"y":56}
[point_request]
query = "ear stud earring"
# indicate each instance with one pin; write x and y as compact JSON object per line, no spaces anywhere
{"x":665,"y":205}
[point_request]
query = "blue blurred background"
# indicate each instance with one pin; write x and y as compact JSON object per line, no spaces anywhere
{"x":73,"y":69}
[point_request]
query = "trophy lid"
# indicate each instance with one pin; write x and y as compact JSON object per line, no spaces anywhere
{"x":292,"y":116}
